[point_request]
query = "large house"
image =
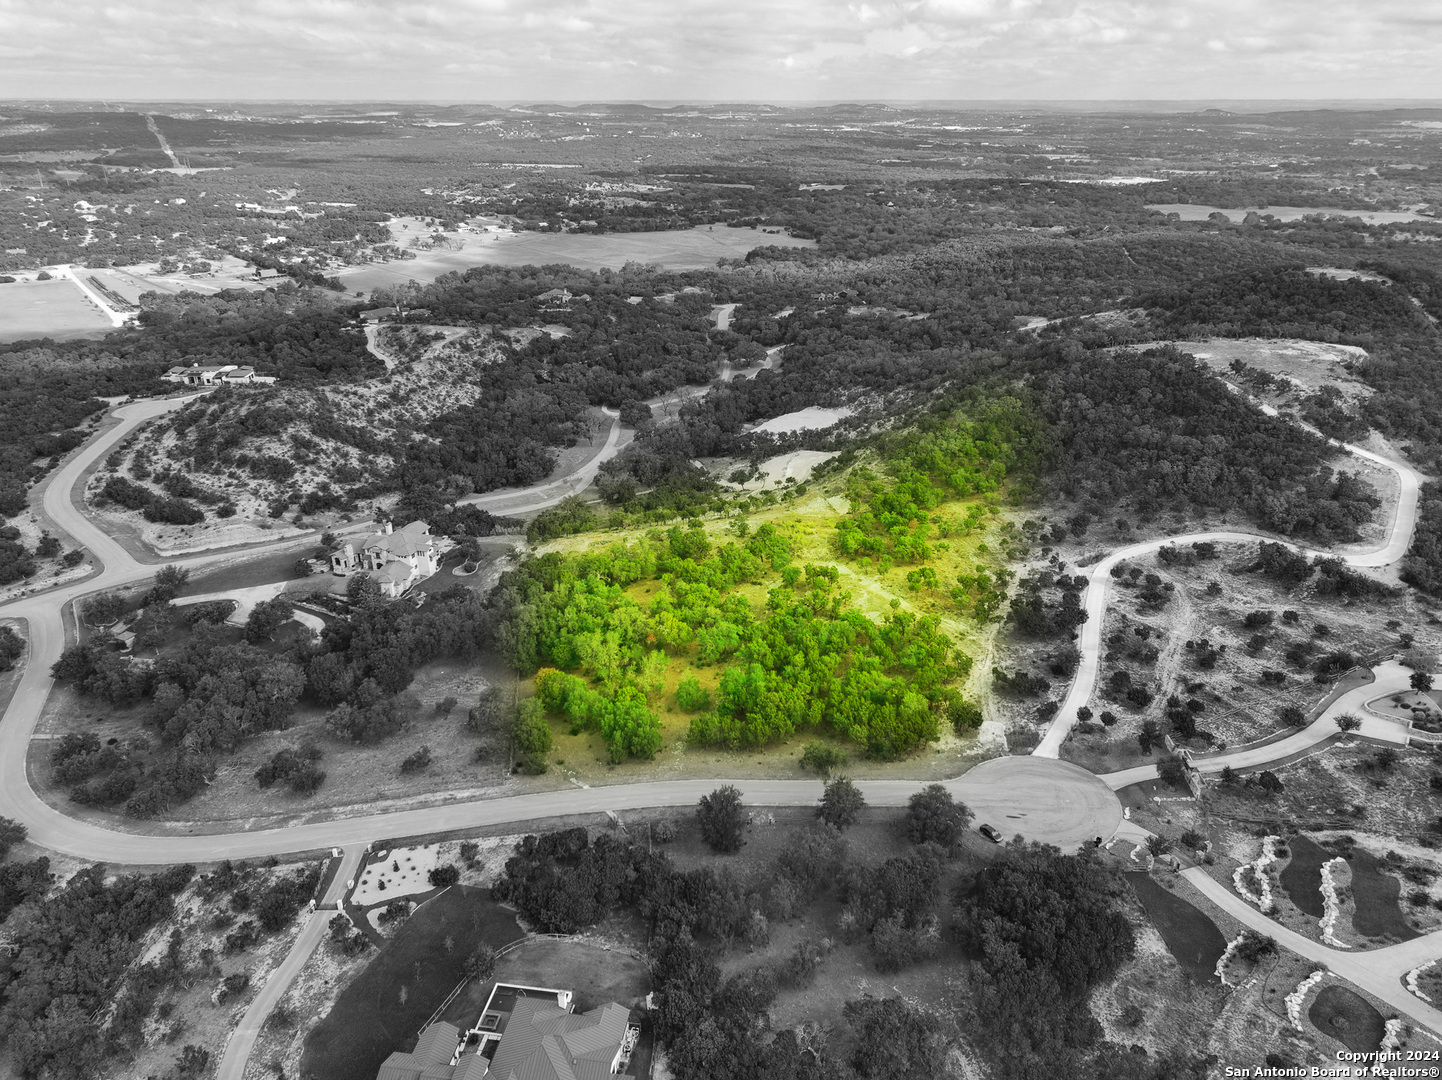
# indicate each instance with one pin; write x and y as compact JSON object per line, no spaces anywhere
{"x":215,"y":375}
{"x":524,"y":1033}
{"x":397,"y":559}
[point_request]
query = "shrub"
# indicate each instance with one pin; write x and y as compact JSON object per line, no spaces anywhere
{"x":446,"y":874}
{"x":965,"y":716}
{"x":417,"y":761}
{"x":690,"y":697}
{"x":821,"y":758}
{"x":722,"y":819}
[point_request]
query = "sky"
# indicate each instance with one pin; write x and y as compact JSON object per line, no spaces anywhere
{"x":720,"y":50}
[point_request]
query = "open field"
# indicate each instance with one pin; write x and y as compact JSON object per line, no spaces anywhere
{"x":55,"y":309}
{"x":680,"y":249}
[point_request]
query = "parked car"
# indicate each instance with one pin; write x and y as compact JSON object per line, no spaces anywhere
{"x":991,"y":833}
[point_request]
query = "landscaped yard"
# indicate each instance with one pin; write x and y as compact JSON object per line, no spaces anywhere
{"x":1348,"y":1017}
{"x":1378,"y":913}
{"x":384,"y":1009}
{"x":1302,"y":876}
{"x":1192,"y":937}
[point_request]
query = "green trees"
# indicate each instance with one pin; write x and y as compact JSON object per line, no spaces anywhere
{"x":841,"y":801}
{"x":818,"y":757}
{"x":1347,"y":722}
{"x":806,"y":659}
{"x":690,"y":696}
{"x":933,"y":816}
{"x":722,"y":820}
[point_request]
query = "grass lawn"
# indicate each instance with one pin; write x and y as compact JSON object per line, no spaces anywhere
{"x":384,"y":1008}
{"x":1192,"y":937}
{"x":1302,"y":876}
{"x":1348,"y":1017}
{"x":1377,"y":914}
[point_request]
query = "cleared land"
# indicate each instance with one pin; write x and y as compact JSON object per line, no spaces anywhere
{"x":679,"y":249}
{"x":54,"y":309}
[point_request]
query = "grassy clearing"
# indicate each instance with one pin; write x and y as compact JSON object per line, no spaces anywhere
{"x":384,"y":1008}
{"x":1191,"y":937}
{"x":54,"y":309}
{"x":1347,"y":1017}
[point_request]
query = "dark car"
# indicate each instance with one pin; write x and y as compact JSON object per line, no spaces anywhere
{"x":991,"y":833}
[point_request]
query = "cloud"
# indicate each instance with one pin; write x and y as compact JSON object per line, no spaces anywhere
{"x":727,"y":49}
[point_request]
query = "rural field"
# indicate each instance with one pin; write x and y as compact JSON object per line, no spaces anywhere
{"x":679,"y":249}
{"x":54,"y":309}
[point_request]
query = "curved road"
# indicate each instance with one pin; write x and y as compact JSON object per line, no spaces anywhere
{"x":1099,"y":585}
{"x":1046,"y":799}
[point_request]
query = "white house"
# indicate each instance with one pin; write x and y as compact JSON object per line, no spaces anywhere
{"x":216,"y":375}
{"x":397,"y":559}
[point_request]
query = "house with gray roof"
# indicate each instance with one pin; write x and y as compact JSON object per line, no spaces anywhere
{"x":524,"y":1033}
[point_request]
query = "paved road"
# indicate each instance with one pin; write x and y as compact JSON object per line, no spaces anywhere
{"x":242,"y":1040}
{"x":1391,"y":677}
{"x":1043,"y":798}
{"x":1097,"y":594}
{"x":511,"y":501}
{"x":1378,"y":971}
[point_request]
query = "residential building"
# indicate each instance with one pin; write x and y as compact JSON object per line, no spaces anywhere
{"x":396,"y":558}
{"x":216,"y":375}
{"x":524,"y":1033}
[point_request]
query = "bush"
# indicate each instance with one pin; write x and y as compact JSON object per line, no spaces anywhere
{"x":722,"y":819}
{"x":690,"y":697}
{"x":446,"y":874}
{"x":821,"y":758}
{"x":417,"y":761}
{"x":965,"y":716}
{"x":934,"y":817}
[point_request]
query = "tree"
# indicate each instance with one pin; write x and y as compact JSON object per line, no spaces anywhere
{"x":266,"y":618}
{"x":895,"y":1040}
{"x":722,"y":819}
{"x":1348,"y":721}
{"x":934,"y":817}
{"x":1158,"y":846}
{"x":104,"y":609}
{"x":1421,"y":681}
{"x":841,"y":801}
{"x":481,"y":964}
{"x":169,"y":580}
{"x":1172,"y":771}
{"x":532,"y":735}
{"x":1269,"y":783}
{"x":11,"y":833}
{"x":1149,"y":736}
{"x":443,"y":875}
